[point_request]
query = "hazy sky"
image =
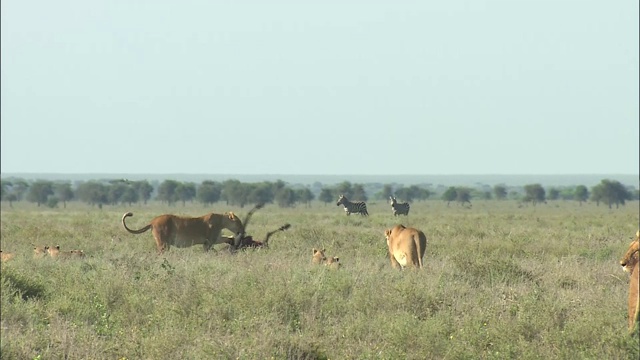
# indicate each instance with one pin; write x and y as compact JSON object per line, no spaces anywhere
{"x":322,"y":87}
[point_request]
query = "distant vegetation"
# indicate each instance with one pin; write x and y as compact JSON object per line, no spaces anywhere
{"x":233,"y":192}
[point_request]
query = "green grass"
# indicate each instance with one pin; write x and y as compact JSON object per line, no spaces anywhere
{"x":499,"y":282}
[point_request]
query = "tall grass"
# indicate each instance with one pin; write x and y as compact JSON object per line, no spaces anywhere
{"x":499,"y":282}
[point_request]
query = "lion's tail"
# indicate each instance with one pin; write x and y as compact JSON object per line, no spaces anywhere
{"x":419,"y":248}
{"x":140,"y":231}
{"x":281,"y":228}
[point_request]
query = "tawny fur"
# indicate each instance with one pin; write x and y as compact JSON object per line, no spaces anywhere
{"x":40,"y":251}
{"x":406,"y":246}
{"x":55,"y":252}
{"x":318,"y":256}
{"x":629,"y":263}
{"x":332,"y":263}
{"x":6,"y":256}
{"x":181,"y":231}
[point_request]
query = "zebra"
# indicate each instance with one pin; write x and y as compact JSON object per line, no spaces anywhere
{"x":357,"y":207}
{"x":399,"y":208}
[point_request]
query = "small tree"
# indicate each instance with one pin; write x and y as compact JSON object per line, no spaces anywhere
{"x":63,"y":192}
{"x":40,"y":191}
{"x":285,"y":197}
{"x":262,"y":192}
{"x":581,"y":194}
{"x":167,"y":191}
{"x":386,"y":192}
{"x":534,"y":193}
{"x":463,"y":196}
{"x":115,"y":191}
{"x":404,"y":193}
{"x":209,"y":192}
{"x":185,"y":192}
{"x":130,"y":195}
{"x":92,"y":192}
{"x":610,"y":192}
{"x":500,"y":191}
{"x":554,"y":194}
{"x":144,"y":190}
{"x":359,"y":193}
{"x":305,"y":196}
{"x":326,"y":195}
{"x":344,"y":188}
{"x":450,"y":195}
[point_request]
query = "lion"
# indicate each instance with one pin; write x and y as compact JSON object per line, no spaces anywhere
{"x":182,"y":231}
{"x":40,"y":251}
{"x":318,"y":256}
{"x":406,"y":246}
{"x":55,"y":252}
{"x":332,"y":263}
{"x":629,"y":263}
{"x":6,"y":256}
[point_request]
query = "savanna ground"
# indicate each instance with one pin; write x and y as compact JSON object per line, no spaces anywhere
{"x":499,"y":282}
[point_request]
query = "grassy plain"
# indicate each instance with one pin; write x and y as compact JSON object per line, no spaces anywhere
{"x":500,"y":282}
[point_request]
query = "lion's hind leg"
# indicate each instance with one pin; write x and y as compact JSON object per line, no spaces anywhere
{"x":161,"y":244}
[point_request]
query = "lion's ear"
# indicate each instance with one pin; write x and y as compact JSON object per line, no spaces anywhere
{"x":314,"y":251}
{"x":336,"y":259}
{"x":232,"y":216}
{"x":387,"y":232}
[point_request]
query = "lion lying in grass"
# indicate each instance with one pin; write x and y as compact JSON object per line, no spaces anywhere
{"x":55,"y":253}
{"x":6,"y":256}
{"x":629,"y":263}
{"x":40,"y":251}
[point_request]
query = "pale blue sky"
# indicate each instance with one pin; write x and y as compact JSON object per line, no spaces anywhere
{"x":323,"y":87}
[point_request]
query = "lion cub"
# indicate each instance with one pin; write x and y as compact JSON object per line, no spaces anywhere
{"x":406,"y":246}
{"x":40,"y":251}
{"x":55,"y":252}
{"x":318,"y":256}
{"x":6,"y":256}
{"x":629,"y":263}
{"x":332,"y":263}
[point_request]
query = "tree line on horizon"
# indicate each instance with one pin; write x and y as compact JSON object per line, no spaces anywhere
{"x":233,"y":192}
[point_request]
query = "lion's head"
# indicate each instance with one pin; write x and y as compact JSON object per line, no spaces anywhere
{"x":318,"y":256}
{"x":40,"y":251}
{"x":231,"y":222}
{"x":630,"y":259}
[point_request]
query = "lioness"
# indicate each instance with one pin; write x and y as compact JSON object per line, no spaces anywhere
{"x":406,"y":246}
{"x":629,"y":263}
{"x":55,"y":252}
{"x":181,"y":231}
{"x":6,"y":256}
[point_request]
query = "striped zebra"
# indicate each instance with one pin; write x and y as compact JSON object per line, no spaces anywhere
{"x":399,"y":208}
{"x":356,"y":207}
